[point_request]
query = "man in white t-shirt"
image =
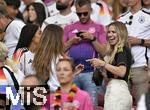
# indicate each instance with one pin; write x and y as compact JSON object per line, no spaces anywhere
{"x":100,"y":11}
{"x":12,"y":29}
{"x":138,"y":25}
{"x":52,"y":8}
{"x":65,"y":15}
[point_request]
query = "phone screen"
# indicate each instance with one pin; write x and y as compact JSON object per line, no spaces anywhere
{"x":78,"y":34}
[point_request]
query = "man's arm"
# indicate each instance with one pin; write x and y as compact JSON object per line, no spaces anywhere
{"x":99,"y":47}
{"x":71,"y":41}
{"x":137,"y":41}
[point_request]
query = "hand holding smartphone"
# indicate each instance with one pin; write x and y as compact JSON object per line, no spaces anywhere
{"x":78,"y":34}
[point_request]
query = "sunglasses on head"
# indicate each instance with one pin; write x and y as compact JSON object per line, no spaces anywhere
{"x":130,"y":18}
{"x":82,"y":13}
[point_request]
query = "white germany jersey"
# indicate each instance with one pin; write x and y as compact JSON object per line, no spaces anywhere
{"x":138,"y":25}
{"x":60,"y":20}
{"x":146,"y":10}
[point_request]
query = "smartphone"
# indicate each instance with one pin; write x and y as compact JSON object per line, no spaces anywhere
{"x":78,"y":34}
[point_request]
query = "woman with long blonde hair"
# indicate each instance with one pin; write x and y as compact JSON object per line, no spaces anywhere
{"x":117,"y":66}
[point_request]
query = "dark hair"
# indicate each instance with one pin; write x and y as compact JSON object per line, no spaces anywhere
{"x":26,"y":36}
{"x":83,"y":2}
{"x":20,"y":16}
{"x":15,"y":3}
{"x":40,"y":12}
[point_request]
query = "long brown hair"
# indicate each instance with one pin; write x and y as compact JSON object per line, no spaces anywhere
{"x":50,"y":47}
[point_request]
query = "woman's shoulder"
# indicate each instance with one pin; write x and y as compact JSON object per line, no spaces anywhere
{"x":18,"y":74}
{"x":128,"y":51}
{"x":82,"y":93}
{"x":29,"y":53}
{"x":7,"y":68}
{"x":27,"y":56}
{"x":127,"y":48}
{"x":124,"y":49}
{"x":83,"y":100}
{"x":18,"y":54}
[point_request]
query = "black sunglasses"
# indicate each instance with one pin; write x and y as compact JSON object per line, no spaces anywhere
{"x":130,"y":18}
{"x":82,"y":13}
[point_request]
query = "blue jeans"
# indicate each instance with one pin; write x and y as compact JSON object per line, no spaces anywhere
{"x":84,"y":82}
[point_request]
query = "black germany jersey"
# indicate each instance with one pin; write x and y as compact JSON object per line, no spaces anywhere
{"x":122,"y":57}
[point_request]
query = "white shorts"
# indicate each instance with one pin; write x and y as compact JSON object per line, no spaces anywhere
{"x":117,"y":96}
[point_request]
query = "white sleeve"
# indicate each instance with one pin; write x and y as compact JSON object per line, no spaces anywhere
{"x":44,"y":25}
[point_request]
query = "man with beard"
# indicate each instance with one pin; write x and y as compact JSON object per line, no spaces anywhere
{"x":85,"y":40}
{"x":65,"y":15}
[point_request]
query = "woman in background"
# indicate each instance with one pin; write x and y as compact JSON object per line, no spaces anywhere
{"x":35,"y":13}
{"x":26,"y":47}
{"x":118,"y":8}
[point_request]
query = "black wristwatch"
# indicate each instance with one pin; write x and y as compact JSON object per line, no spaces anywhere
{"x":94,"y":39}
{"x":142,"y":42}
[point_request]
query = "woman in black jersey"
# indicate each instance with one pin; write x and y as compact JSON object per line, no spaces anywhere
{"x":117,"y":65}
